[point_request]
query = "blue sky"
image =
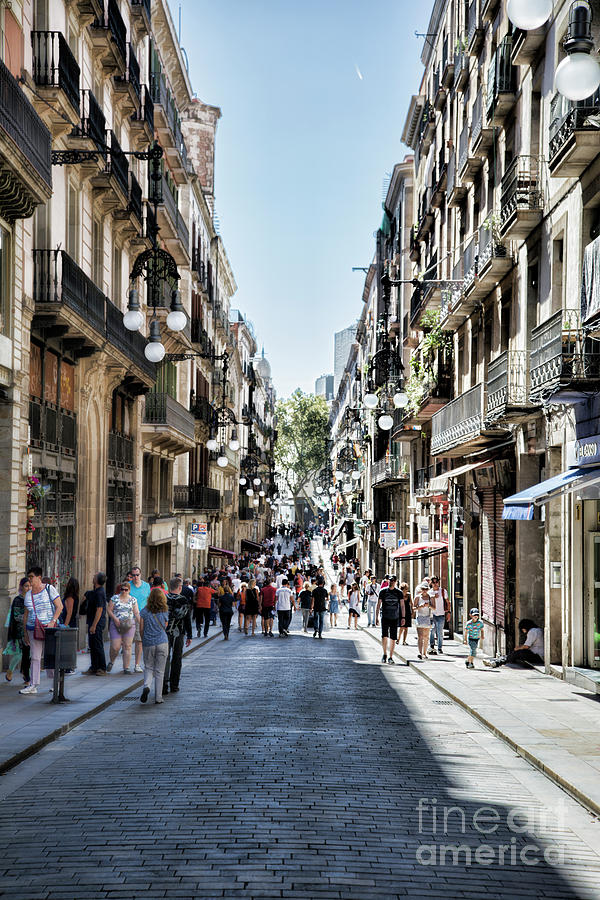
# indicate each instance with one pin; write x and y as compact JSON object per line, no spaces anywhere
{"x":303,"y":146}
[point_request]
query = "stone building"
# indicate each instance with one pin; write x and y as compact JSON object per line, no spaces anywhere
{"x":117,"y":442}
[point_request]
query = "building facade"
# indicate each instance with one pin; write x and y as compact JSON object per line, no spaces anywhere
{"x":105,"y":454}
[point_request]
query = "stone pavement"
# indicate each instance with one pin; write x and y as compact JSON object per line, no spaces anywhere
{"x":556,"y":726}
{"x":290,"y":768}
{"x":29,"y":722}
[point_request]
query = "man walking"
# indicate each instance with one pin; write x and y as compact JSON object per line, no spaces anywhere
{"x":204,"y":595}
{"x":179,"y":628}
{"x":305,"y":599}
{"x":96,"y":622}
{"x":441,"y":609}
{"x":372,"y":597}
{"x":140,"y":591}
{"x":318,"y":606}
{"x":268,"y":599}
{"x":391,"y":604}
{"x":284,"y":608}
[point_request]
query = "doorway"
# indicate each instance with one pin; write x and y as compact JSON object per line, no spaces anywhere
{"x":592,"y":602}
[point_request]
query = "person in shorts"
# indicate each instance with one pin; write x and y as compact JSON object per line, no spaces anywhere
{"x":473,"y":633}
{"x":390,"y":604}
{"x":267,"y":606}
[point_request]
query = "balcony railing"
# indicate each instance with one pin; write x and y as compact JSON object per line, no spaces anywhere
{"x":20,"y":121}
{"x":132,"y":72}
{"x":420,"y":480}
{"x":146,"y":5}
{"x":120,"y":450}
{"x":202,"y":410}
{"x":463,"y":147}
{"x":562,"y":354}
{"x":458,"y":421}
{"x":57,"y":279}
{"x":130,"y":343}
{"x":507,"y":383}
{"x":93,"y":123}
{"x":461,"y":70}
{"x":116,"y":164}
{"x":112,"y":21}
{"x":474,"y":28}
{"x":246,"y":514}
{"x":573,"y":130}
{"x":52,"y":428}
{"x":54,"y":65}
{"x":520,"y":189}
{"x":162,"y":409}
{"x":199,"y":335}
{"x":135,"y":197}
{"x":394,"y":468}
{"x":196,"y":496}
{"x":502,"y":80}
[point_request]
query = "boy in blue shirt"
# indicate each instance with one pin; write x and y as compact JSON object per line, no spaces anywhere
{"x":473,"y":633}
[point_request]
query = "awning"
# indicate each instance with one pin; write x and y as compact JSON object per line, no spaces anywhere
{"x":345,"y":546}
{"x":520,"y":506}
{"x":439,"y":484}
{"x":338,"y":529}
{"x":218,"y":551}
{"x":420,"y":550}
{"x":251,"y":545}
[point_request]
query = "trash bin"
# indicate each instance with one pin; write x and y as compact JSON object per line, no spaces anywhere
{"x":67,"y":648}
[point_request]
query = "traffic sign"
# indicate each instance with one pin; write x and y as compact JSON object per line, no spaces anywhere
{"x":403,"y":542}
{"x":199,"y":528}
{"x":387,"y":528}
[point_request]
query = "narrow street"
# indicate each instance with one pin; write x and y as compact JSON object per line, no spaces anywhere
{"x":290,"y":768}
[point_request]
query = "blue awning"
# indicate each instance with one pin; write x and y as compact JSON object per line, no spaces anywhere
{"x":520,"y":506}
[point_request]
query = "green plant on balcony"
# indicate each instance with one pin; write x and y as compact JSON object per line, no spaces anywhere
{"x":461,"y":44}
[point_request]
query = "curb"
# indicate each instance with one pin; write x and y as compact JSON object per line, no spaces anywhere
{"x":550,"y":773}
{"x":34,"y":748}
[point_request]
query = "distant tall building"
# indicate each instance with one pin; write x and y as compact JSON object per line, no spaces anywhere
{"x":342,"y":342}
{"x":324,"y":387}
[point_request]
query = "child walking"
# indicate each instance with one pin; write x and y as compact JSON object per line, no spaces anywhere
{"x":473,"y":633}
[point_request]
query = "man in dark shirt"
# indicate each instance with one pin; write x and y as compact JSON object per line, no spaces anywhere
{"x":318,"y":606}
{"x":96,"y":622}
{"x":305,"y":598}
{"x":179,"y":627}
{"x":391,"y":604}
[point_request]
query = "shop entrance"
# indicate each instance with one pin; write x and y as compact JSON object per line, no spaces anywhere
{"x":592,"y":606}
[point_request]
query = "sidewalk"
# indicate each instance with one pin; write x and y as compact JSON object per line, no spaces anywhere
{"x":524,"y":707}
{"x":27,"y":723}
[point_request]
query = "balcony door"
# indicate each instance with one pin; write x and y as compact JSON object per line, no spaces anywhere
{"x":592,"y":601}
{"x":41,"y":15}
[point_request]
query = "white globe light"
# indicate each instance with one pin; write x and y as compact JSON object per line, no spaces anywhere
{"x":356,"y":474}
{"x":528,"y":14}
{"x":133,"y":320}
{"x":154,"y":351}
{"x":176,"y":321}
{"x":332,"y":490}
{"x":370,"y":401}
{"x":211,"y":444}
{"x":261,"y":493}
{"x":234,"y":445}
{"x":257,"y":481}
{"x":242,"y":481}
{"x":385,"y":422}
{"x":250,"y":492}
{"x":400,"y":400}
{"x":222,"y":461}
{"x":347,"y":487}
{"x":319,"y":489}
{"x":578,"y":76}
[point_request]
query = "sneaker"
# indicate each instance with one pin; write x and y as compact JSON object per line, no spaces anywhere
{"x":90,"y":671}
{"x":432,"y":651}
{"x":101,"y":672}
{"x":321,"y":636}
{"x":315,"y":634}
{"x":9,"y":675}
{"x":109,"y":667}
{"x":32,"y":689}
{"x":126,"y":671}
{"x":467,"y":663}
{"x":138,"y":669}
{"x":471,"y":665}
{"x":174,"y":690}
{"x":391,"y":662}
{"x":384,"y":658}
{"x":159,"y":701}
{"x":419,"y":656}
{"x":145,"y":693}
{"x":490,"y":663}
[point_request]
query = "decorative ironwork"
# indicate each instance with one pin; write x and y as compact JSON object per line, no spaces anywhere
{"x":458,"y":421}
{"x":507,"y":384}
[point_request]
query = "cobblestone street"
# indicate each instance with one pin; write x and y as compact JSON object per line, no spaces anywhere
{"x":290,"y":768}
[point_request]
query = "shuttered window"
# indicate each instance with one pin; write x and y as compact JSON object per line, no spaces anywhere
{"x":492,"y":557}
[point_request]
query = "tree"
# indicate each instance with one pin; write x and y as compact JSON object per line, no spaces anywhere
{"x":301,"y":448}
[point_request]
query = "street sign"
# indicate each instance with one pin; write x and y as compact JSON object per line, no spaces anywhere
{"x":403,"y":542}
{"x":389,"y":541}
{"x":197,"y":542}
{"x":388,"y":528}
{"x":199,"y":528}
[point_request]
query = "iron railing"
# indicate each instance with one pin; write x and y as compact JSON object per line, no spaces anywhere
{"x":501,"y":75}
{"x":132,"y":71}
{"x":116,"y":163}
{"x":196,"y":496}
{"x":52,"y":428}
{"x":144,"y":4}
{"x":120,"y":450}
{"x":202,"y":409}
{"x":561,"y":353}
{"x":458,"y":421}
{"x":566,"y":118}
{"x":93,"y":123}
{"x":395,"y":467}
{"x":131,"y":343}
{"x":463,"y":147}
{"x":58,"y":279}
{"x":54,"y":65}
{"x":520,"y":187}
{"x":20,"y":121}
{"x":507,"y":382}
{"x":135,"y":197}
{"x":162,"y":409}
{"x":112,"y":20}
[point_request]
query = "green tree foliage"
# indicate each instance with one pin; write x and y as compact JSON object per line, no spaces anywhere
{"x":301,"y":448}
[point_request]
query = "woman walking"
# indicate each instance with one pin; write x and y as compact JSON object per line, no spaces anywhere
{"x":43,"y":606}
{"x":334,"y":605}
{"x":155,"y":643}
{"x":123,"y":614}
{"x":16,"y":636}
{"x":342,"y":583}
{"x":226,"y":602}
{"x":353,"y":605}
{"x":242,"y":606}
{"x":423,"y":606}
{"x":403,"y":632}
{"x":70,"y":603}
{"x":251,"y":610}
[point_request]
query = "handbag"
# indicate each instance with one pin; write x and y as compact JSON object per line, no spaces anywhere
{"x":39,"y":630}
{"x":125,"y":625}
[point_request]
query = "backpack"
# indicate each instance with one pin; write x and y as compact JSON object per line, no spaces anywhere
{"x":177,"y":613}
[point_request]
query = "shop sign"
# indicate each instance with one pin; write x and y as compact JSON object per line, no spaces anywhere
{"x":587,"y":451}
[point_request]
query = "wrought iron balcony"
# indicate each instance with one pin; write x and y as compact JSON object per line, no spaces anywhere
{"x":117,"y":167}
{"x":482,"y":131}
{"x":109,"y":36}
{"x":177,"y":154}
{"x":440,"y":93}
{"x":56,"y":72}
{"x":447,"y":66}
{"x":415,"y":247}
{"x":426,"y":215}
{"x":128,"y":85}
{"x":174,"y":231}
{"x":167,"y":424}
{"x":573,"y":135}
{"x":461,"y":70}
{"x":421,"y":478}
{"x":439,"y":180}
{"x":526,"y":45}
{"x":394,"y":468}
{"x":93,"y":123}
{"x":202,"y":410}
{"x":521,"y":204}
{"x":428,"y":126}
{"x":52,"y":428}
{"x":459,"y":422}
{"x":563,"y":359}
{"x":24,"y":152}
{"x":59,"y":285}
{"x":141,"y":16}
{"x":488,"y":9}
{"x":455,"y":190}
{"x":196,"y":496}
{"x":120,"y":450}
{"x":131,"y":344}
{"x":502,"y":83}
{"x":142,"y":120}
{"x":474,"y":29}
{"x":508,"y":386}
{"x":469,"y":163}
